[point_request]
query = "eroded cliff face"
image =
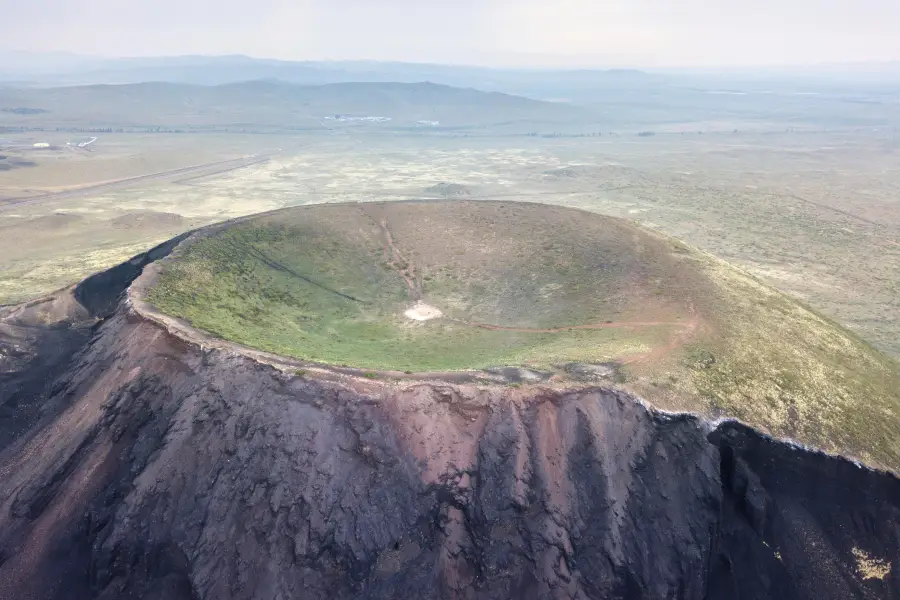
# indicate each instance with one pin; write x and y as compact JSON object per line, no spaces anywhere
{"x":149,"y":467}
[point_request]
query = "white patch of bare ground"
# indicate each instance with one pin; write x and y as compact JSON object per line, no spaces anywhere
{"x":423,"y":312}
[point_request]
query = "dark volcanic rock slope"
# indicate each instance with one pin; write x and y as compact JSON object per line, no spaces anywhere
{"x":153,"y":468}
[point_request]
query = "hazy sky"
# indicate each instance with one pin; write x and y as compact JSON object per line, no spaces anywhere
{"x":489,"y":32}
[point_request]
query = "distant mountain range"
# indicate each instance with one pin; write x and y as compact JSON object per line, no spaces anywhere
{"x":238,"y":90}
{"x":56,"y":69}
{"x":60,"y":68}
{"x":274,"y":104}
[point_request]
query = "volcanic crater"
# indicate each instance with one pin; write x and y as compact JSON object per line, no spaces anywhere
{"x":454,"y":399}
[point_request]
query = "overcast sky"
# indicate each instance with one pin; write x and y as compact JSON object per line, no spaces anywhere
{"x":640,"y":33}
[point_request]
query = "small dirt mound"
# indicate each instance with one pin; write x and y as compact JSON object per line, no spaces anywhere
{"x":148,"y":218}
{"x":56,"y":221}
{"x":449,"y":190}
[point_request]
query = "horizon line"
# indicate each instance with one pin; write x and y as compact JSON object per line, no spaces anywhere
{"x":474,"y":65}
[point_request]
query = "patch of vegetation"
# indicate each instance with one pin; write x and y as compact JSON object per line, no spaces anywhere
{"x":24,"y":110}
{"x":449,"y":190}
{"x":698,"y":358}
{"x":9,"y":165}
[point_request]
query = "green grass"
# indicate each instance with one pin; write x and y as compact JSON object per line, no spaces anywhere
{"x":314,"y":284}
{"x":319,"y":289}
{"x":273,"y":312}
{"x":781,"y":367}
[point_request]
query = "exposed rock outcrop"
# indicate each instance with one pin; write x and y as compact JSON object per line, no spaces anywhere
{"x":137,"y":464}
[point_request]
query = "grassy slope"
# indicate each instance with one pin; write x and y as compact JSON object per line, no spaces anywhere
{"x":756,"y":355}
{"x":776,"y":364}
{"x":782,"y":367}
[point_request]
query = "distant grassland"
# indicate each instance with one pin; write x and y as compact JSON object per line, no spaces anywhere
{"x":53,"y":235}
{"x":323,"y":284}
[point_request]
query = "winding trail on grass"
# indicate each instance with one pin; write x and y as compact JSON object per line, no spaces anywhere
{"x":604,"y":325}
{"x":686,"y":332}
{"x":680,"y":339}
{"x":392,"y":253}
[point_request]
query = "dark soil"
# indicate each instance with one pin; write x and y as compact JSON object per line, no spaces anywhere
{"x":9,"y":165}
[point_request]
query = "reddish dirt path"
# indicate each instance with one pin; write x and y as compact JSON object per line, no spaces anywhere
{"x":680,"y":339}
{"x":610,"y":325}
{"x":404,"y":266}
{"x":687,"y":331}
{"x":396,"y":259}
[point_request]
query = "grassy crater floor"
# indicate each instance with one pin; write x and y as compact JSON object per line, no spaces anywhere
{"x":450,"y":285}
{"x":512,"y":283}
